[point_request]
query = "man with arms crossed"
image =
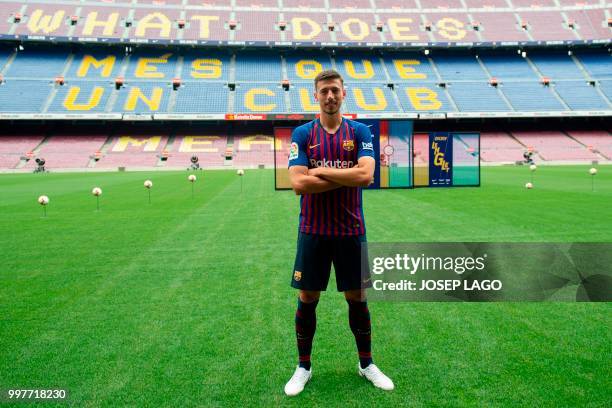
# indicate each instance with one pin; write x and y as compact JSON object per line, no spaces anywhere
{"x":330,"y":160}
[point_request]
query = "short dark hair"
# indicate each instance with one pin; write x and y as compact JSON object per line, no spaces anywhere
{"x":327,"y":75}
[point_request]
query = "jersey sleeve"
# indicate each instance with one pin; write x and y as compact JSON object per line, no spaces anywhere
{"x":365,"y":146}
{"x":297,"y":149}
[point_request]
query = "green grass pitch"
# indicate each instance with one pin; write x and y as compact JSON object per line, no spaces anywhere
{"x":186,"y":302}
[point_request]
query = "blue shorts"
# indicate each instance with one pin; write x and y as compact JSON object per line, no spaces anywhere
{"x":315,"y":256}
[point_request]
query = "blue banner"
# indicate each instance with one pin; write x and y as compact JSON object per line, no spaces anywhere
{"x":440,"y":159}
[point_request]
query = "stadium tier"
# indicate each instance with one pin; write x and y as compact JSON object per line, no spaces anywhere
{"x":301,"y":22}
{"x":96,"y":80}
{"x":173,"y":150}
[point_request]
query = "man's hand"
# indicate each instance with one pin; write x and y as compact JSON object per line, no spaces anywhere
{"x":315,"y":172}
{"x":303,"y":182}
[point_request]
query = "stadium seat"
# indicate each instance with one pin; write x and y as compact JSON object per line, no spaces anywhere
{"x":556,"y":65}
{"x":198,"y":97}
{"x":597,"y":64}
{"x":258,"y":66}
{"x":363,"y":97}
{"x":24,"y":96}
{"x":143,"y":97}
{"x":554,"y":145}
{"x":531,"y":97}
{"x":581,"y":96}
{"x":477,"y":97}
{"x":261,"y":98}
{"x":37,"y":63}
{"x":459,"y":67}
{"x":360,"y":66}
{"x":78,"y":96}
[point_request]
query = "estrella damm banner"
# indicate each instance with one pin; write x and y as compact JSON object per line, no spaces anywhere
{"x":440,"y":159}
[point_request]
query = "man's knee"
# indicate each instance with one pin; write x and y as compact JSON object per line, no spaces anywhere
{"x":309,"y":296}
{"x":357,"y":295}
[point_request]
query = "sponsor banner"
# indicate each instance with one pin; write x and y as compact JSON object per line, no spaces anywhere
{"x":393,"y":115}
{"x":487,"y":272}
{"x":440,"y":159}
{"x":137,"y":117}
{"x":60,"y":116}
{"x":196,"y":116}
{"x":267,"y":44}
{"x":344,"y":115}
{"x":291,"y":116}
{"x":432,"y":115}
{"x":246,"y":116}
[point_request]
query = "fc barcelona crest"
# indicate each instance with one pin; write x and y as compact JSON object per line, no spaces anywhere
{"x":348,"y":145}
{"x":297,"y":276}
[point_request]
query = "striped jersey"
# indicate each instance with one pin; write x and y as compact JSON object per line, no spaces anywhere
{"x":337,"y":212}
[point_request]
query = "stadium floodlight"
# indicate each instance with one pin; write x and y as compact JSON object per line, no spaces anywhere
{"x":524,"y":54}
{"x":426,"y":52}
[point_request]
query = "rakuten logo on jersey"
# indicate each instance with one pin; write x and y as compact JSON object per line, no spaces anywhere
{"x":336,"y":164}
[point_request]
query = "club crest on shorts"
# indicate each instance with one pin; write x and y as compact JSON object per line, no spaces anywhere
{"x":348,"y":145}
{"x":297,"y":276}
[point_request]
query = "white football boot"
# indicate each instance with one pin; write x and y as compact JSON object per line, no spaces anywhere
{"x":376,"y":377}
{"x":298,"y":381}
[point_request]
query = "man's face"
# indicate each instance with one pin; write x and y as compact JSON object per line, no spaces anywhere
{"x":330,"y":94}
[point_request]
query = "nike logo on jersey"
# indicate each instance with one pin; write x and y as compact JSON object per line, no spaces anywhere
{"x":313,"y":146}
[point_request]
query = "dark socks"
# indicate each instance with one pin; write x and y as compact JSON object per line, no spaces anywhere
{"x":305,"y":326}
{"x":359,"y":320}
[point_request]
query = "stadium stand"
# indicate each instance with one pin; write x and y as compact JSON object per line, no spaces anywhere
{"x":68,"y":151}
{"x":209,"y":149}
{"x":133,"y":151}
{"x":215,"y":82}
{"x":477,"y":97}
{"x":253,"y":150}
{"x":594,"y":140}
{"x":211,"y":59}
{"x":554,"y":145}
{"x":531,"y":97}
{"x":146,"y":149}
{"x":500,"y":147}
{"x":13,"y":148}
{"x":354,"y":21}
